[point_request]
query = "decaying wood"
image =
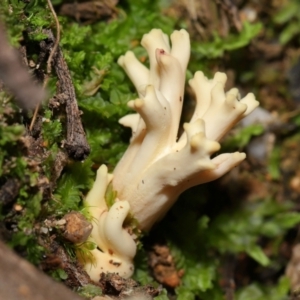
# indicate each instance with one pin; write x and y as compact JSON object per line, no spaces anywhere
{"x":15,"y":76}
{"x":58,"y":258}
{"x":75,"y":144}
{"x":20,"y":280}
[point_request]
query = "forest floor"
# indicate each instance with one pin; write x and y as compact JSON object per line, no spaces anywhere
{"x":243,"y":228}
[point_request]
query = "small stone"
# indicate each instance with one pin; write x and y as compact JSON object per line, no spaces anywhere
{"x":77,"y":228}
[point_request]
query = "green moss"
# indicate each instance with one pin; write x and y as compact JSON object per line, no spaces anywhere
{"x":51,"y":129}
{"x":197,"y":241}
{"x":76,"y":181}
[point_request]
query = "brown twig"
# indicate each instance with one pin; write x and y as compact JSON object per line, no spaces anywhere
{"x":75,"y":143}
{"x":56,"y":43}
{"x":15,"y":76}
{"x":36,"y":110}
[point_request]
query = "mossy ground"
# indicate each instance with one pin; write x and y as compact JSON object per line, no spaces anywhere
{"x":231,"y":239}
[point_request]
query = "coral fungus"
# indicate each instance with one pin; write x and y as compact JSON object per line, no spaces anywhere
{"x":158,"y":164}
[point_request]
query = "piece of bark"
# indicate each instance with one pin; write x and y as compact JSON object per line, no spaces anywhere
{"x":76,"y":143}
{"x":58,"y":258}
{"x":20,"y":280}
{"x":15,"y":76}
